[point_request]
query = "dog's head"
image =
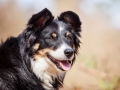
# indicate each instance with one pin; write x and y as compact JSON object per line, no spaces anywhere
{"x":52,"y":44}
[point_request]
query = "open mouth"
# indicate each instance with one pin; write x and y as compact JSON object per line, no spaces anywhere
{"x":64,"y":65}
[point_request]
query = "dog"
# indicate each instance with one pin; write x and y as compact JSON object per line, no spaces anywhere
{"x":40,"y":56}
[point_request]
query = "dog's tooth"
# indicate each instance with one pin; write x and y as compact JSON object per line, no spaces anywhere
{"x":60,"y":64}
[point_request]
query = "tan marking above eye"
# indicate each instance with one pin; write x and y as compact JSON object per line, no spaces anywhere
{"x":36,"y":46}
{"x":54,"y":35}
{"x":67,"y":34}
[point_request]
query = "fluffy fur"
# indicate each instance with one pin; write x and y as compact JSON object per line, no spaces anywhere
{"x":40,"y":56}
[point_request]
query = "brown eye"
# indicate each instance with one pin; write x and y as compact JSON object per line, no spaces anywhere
{"x":69,"y":38}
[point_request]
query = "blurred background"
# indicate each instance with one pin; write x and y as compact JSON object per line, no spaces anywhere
{"x":98,"y":63}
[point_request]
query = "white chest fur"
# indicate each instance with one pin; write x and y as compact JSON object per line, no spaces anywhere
{"x":39,"y":67}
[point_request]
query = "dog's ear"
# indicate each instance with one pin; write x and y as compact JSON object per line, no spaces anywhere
{"x":41,"y":19}
{"x":72,"y":19}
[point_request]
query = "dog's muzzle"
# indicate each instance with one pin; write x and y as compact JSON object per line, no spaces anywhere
{"x":64,"y":65}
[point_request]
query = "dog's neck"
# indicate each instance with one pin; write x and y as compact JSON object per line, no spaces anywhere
{"x":51,"y":78}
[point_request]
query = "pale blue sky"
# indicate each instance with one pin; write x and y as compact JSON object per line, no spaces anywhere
{"x":37,"y":4}
{"x":109,"y":7}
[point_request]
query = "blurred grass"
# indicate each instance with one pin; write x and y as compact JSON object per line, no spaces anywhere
{"x":107,"y":84}
{"x":90,"y":61}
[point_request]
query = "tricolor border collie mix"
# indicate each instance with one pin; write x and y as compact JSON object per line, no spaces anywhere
{"x":39,"y":58}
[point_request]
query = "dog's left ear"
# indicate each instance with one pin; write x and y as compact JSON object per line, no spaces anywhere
{"x":41,"y":19}
{"x":72,"y":19}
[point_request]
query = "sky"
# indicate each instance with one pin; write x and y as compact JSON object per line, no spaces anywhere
{"x":37,"y":4}
{"x":109,"y":7}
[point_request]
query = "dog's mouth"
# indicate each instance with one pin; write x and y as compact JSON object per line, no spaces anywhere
{"x":64,"y":65}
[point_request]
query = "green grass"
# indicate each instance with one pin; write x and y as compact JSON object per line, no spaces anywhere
{"x":90,"y":62}
{"x":105,"y":84}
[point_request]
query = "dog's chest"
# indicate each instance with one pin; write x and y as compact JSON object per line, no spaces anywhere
{"x":40,"y":68}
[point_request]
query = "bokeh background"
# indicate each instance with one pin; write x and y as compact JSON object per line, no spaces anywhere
{"x":98,"y":63}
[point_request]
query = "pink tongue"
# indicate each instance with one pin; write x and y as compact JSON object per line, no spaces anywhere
{"x":65,"y":65}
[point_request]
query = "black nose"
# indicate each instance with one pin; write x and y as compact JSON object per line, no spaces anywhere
{"x":68,"y":52}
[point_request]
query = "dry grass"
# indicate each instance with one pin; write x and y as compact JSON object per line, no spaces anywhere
{"x":12,"y":20}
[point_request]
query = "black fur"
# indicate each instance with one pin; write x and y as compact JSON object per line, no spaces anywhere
{"x":15,"y":52}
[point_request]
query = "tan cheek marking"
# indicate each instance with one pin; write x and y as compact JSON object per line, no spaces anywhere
{"x":36,"y":57}
{"x":41,"y":54}
{"x":67,"y":34}
{"x":36,"y":46}
{"x":54,"y":35}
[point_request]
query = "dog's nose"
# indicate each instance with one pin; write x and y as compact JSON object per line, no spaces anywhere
{"x":68,"y":52}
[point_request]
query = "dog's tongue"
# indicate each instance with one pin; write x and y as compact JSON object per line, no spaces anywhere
{"x":65,"y":65}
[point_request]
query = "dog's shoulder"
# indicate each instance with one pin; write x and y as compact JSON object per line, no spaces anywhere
{"x":8,"y":51}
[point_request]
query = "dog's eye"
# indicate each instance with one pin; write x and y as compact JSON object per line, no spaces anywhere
{"x":69,"y":38}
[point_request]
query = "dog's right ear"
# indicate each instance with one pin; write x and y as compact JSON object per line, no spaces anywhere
{"x":41,"y":19}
